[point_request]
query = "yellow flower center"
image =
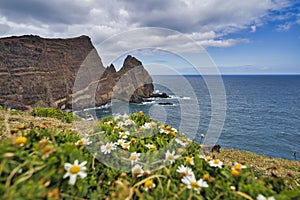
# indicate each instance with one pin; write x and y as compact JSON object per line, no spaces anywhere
{"x":21,"y":141}
{"x":173,"y":133}
{"x":108,"y":147}
{"x":238,"y":166}
{"x":133,"y":157}
{"x":80,"y":142}
{"x":148,"y":184}
{"x":120,"y":143}
{"x":194,"y":184}
{"x":207,"y":158}
{"x":188,"y":160}
{"x":205,"y":176}
{"x":216,"y":162}
{"x":235,"y":172}
{"x":123,"y":134}
{"x":132,"y":140}
{"x":127,"y":145}
{"x":170,"y":157}
{"x":75,"y":169}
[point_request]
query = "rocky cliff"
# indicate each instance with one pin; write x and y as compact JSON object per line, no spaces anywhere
{"x":39,"y":72}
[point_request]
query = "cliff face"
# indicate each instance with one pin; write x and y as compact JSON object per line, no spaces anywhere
{"x":38,"y":72}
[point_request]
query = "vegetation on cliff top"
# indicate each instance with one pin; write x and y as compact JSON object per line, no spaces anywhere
{"x":46,"y":158}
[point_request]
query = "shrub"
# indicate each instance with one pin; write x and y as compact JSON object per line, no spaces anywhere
{"x":53,"y":113}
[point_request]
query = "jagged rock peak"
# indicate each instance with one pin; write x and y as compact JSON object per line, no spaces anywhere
{"x":129,"y":63}
{"x":111,"y":68}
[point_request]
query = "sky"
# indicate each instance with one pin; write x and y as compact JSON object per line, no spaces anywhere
{"x":239,"y":37}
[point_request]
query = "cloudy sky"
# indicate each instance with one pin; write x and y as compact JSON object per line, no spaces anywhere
{"x":254,"y":36}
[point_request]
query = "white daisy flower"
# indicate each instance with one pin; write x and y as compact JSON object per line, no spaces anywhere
{"x":238,"y":166}
{"x":137,"y":171}
{"x":74,"y":170}
{"x":171,"y":157}
{"x":262,"y":197}
{"x":120,"y":142}
{"x":83,"y":141}
{"x":184,"y":171}
{"x":128,"y":122}
{"x":215,"y":163}
{"x":174,"y":130}
{"x":134,"y":157}
{"x":206,"y":158}
{"x":182,"y":143}
{"x":151,"y":146}
{"x":202,"y":156}
{"x":108,"y":122}
{"x":120,"y":124}
{"x":124,"y":135}
{"x":192,"y":183}
{"x":148,"y":125}
{"x":164,"y":131}
{"x":126,"y":145}
{"x":119,"y":116}
{"x":125,"y":116}
{"x":149,"y":185}
{"x":108,"y":147}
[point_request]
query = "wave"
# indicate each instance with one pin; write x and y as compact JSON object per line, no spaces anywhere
{"x":149,"y":102}
{"x":179,"y":97}
{"x":108,"y":105}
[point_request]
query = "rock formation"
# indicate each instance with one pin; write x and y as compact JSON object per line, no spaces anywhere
{"x":39,"y":72}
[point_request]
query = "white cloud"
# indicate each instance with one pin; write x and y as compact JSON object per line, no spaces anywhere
{"x":253,"y":29}
{"x":284,"y":27}
{"x":222,"y":43}
{"x":206,"y":22}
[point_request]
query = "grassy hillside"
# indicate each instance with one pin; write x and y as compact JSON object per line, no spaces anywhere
{"x":44,"y":157}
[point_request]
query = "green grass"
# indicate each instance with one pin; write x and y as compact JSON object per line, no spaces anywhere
{"x":32,"y":163}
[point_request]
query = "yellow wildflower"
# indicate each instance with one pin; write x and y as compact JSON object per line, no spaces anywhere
{"x":21,"y":141}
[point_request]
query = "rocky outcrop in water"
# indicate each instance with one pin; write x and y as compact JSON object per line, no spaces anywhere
{"x":39,"y":72}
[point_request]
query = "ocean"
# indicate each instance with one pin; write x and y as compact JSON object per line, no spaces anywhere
{"x":262,"y":111}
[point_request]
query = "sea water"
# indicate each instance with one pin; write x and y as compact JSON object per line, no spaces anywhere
{"x":262,"y":111}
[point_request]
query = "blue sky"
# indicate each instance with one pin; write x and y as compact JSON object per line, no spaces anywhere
{"x":269,"y":50}
{"x":241,"y":37}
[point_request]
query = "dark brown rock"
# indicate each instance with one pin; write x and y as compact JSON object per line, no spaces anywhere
{"x":39,"y":72}
{"x":131,"y":84}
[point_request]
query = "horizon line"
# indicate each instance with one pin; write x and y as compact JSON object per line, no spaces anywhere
{"x":274,"y":74}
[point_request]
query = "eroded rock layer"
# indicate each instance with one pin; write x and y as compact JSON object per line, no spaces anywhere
{"x":39,"y":72}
